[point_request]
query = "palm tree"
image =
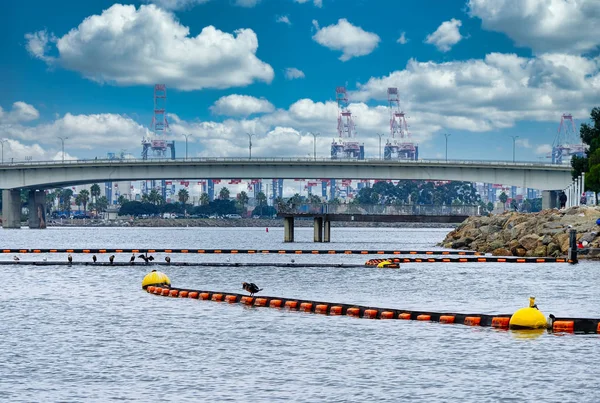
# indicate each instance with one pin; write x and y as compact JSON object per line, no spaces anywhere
{"x":78,"y":202}
{"x":204,"y":199}
{"x":224,"y":194}
{"x":183,"y":196}
{"x":102,"y":203}
{"x":95,"y":192}
{"x":65,"y":197}
{"x":122,"y":199}
{"x":261,"y":198}
{"x":154,"y":197}
{"x":85,"y":198}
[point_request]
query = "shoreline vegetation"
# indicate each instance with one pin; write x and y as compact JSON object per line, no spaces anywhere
{"x":231,"y":223}
{"x":543,"y":234}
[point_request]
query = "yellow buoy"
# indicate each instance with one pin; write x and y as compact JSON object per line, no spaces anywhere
{"x":385,"y":263}
{"x":528,"y":318}
{"x":155,"y":278}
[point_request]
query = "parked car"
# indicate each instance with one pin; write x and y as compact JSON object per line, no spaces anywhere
{"x":233,"y":216}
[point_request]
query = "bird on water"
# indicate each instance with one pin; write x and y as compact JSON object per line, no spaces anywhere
{"x":70,"y":258}
{"x":132,"y":259}
{"x":251,"y":288}
{"x":94,"y":258}
{"x":111,"y":259}
{"x":16,"y":258}
{"x":168,"y":259}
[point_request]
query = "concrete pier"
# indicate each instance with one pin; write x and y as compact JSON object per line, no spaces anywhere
{"x":318,"y":226}
{"x":327,"y":231}
{"x":37,"y":209}
{"x":288,"y":229}
{"x":550,"y":199}
{"x":11,"y":208}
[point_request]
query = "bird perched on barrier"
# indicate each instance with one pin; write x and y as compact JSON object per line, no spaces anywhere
{"x":132,"y":259}
{"x":16,"y":258}
{"x":70,"y":258}
{"x":168,"y":259}
{"x":150,"y":258}
{"x":144,"y":258}
{"x":251,"y":288}
{"x":111,"y":258}
{"x":94,"y":258}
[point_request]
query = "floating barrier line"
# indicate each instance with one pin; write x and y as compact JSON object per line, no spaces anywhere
{"x":501,"y":321}
{"x":197,"y":264}
{"x":486,"y":259}
{"x":252,"y":251}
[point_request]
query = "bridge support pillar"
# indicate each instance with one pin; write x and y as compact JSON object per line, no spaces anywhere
{"x":327,"y":231}
{"x":37,"y":209}
{"x":550,"y":199}
{"x":318,"y":225}
{"x":288,"y":229}
{"x":11,"y":208}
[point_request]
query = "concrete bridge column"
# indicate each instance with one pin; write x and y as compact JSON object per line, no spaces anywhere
{"x":288,"y":229}
{"x":550,"y":199}
{"x":327,"y":231}
{"x":11,"y":208}
{"x":318,"y":225}
{"x":37,"y":209}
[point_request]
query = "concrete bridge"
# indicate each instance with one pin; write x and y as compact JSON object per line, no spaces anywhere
{"x":324,"y":214}
{"x":38,"y":176}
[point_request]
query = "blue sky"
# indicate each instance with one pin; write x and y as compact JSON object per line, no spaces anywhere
{"x":482,"y":70}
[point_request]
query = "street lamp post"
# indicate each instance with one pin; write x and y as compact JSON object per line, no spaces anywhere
{"x":186,"y":144}
{"x":250,"y":144}
{"x":447,"y":135}
{"x":315,"y":144}
{"x":62,"y":140}
{"x":2,"y":142}
{"x":380,"y":136}
{"x":514,"y":141}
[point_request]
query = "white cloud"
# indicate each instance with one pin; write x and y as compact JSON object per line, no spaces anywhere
{"x":283,"y":19}
{"x":246,"y":3}
{"x":38,"y":44}
{"x":241,"y":105}
{"x":129,"y":46}
{"x":317,"y":3}
{"x":566,"y":26}
{"x":292,"y":73}
{"x":523,"y":143}
{"x":493,"y":93}
{"x":446,"y":36}
{"x":20,"y":112}
{"x":543,"y":149}
{"x":353,"y":41}
{"x":402,"y":40}
{"x":177,"y":4}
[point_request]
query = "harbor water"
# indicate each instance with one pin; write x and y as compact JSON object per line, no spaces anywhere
{"x":83,"y":333}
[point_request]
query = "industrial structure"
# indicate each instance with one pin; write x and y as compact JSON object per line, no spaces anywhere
{"x":398,"y":146}
{"x":567,"y":142}
{"x":157,"y":145}
{"x":346,"y":146}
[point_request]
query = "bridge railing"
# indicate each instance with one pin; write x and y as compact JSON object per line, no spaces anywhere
{"x":70,"y":162}
{"x":379,"y":209}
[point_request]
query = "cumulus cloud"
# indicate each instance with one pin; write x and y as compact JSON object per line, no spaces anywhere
{"x":353,"y":41}
{"x":129,"y":46}
{"x":402,"y":40}
{"x":241,"y":105}
{"x":571,"y":26}
{"x":177,"y":4}
{"x":283,"y":19}
{"x":20,"y":112}
{"x":317,"y":3}
{"x":246,"y":3}
{"x":446,"y":36}
{"x":523,"y":143}
{"x":543,"y":149}
{"x":292,"y":73}
{"x":493,"y":93}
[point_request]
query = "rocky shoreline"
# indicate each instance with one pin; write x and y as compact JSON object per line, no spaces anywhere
{"x":528,"y":234}
{"x":228,"y":223}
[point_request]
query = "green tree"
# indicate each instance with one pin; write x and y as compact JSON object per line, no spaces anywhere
{"x":490,"y":206}
{"x":85,"y":198}
{"x":183,"y":196}
{"x":102,"y":203}
{"x":121,"y":200}
{"x":95,"y":192}
{"x":224,"y":193}
{"x":65,"y":199}
{"x":155,"y":198}
{"x":204,"y":199}
{"x":503,"y":198}
{"x":261,"y":199}
{"x":590,"y":162}
{"x":241,"y":200}
{"x":78,"y":202}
